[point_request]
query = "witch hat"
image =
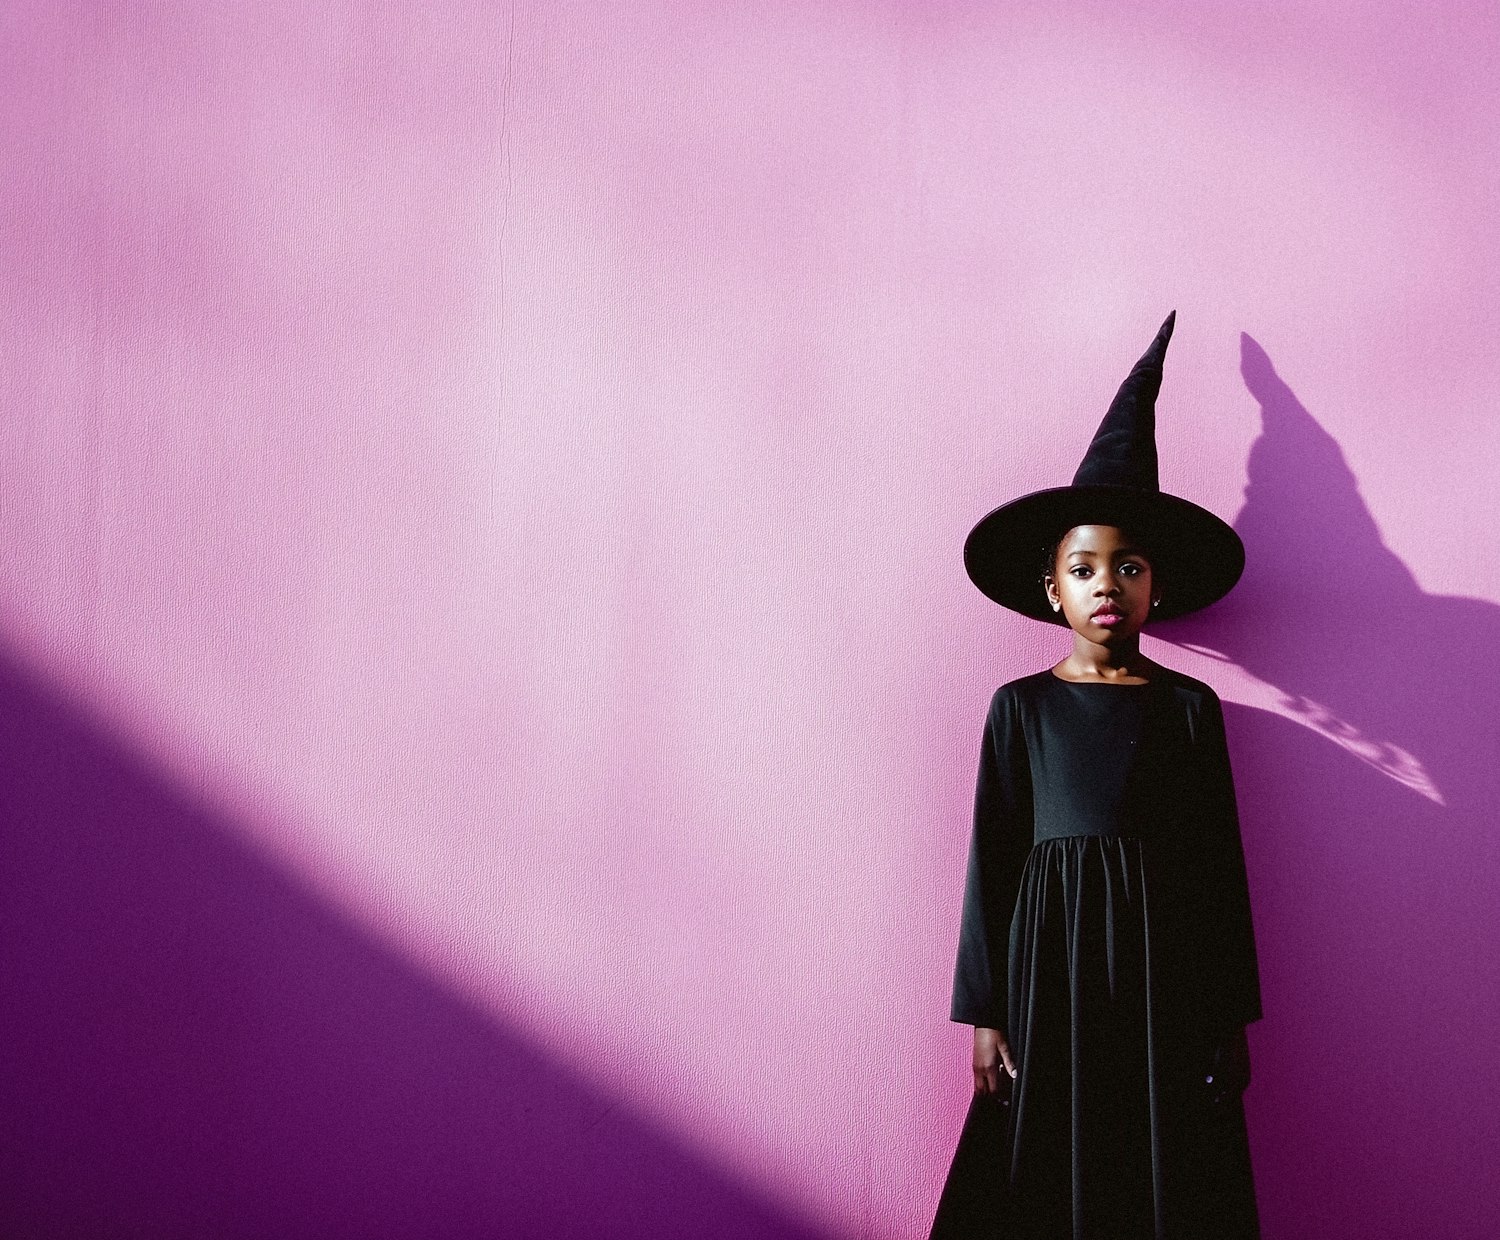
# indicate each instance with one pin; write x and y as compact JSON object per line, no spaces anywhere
{"x":1196,"y":556}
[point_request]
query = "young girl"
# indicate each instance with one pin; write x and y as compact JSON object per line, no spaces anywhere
{"x":1106,"y":957}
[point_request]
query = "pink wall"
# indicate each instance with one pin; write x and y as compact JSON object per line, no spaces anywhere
{"x":491,"y":694}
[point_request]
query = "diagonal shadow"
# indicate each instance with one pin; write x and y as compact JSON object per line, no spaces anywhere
{"x":195,"y":1047}
{"x":1373,"y":852}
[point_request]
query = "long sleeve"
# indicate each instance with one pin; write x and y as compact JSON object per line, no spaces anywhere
{"x":999,"y":842}
{"x":1230,"y":971}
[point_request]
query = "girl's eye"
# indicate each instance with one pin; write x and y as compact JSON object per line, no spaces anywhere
{"x":1079,"y":568}
{"x":1133,"y":569}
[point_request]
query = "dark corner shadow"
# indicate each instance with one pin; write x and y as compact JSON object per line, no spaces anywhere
{"x":1372,"y":842}
{"x":196,"y":1047}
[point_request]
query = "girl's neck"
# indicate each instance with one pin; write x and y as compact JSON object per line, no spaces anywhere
{"x":1091,"y":661}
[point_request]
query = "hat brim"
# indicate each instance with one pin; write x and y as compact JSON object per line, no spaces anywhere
{"x":1198,"y":555}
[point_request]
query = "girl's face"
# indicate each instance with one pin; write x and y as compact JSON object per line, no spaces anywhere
{"x":1101,"y":581}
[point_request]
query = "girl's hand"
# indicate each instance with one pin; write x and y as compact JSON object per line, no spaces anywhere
{"x":991,"y":1055}
{"x":1229,"y":1068}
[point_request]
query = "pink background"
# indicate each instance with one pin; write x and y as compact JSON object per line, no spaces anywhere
{"x":490,"y":695}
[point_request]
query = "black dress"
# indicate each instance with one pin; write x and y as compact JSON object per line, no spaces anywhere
{"x":1106,"y":930}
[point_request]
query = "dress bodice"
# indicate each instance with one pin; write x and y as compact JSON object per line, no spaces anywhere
{"x":1083,"y":743}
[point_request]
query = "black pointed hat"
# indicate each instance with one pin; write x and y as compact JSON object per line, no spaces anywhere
{"x":1197,"y":555}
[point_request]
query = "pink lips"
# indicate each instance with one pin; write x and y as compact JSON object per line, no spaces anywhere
{"x":1106,"y":618}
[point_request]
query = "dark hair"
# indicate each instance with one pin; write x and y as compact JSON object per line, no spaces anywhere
{"x":1048,"y":560}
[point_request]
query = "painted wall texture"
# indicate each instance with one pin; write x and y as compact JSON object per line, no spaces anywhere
{"x":489,"y":693}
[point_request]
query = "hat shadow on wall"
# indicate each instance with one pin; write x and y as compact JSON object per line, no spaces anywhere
{"x":1371,"y":840}
{"x":196,"y":1046}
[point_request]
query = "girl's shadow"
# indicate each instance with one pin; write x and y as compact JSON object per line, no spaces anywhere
{"x":1374,"y":860}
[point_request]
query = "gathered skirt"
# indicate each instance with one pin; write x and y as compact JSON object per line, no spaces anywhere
{"x":1111,"y":1129}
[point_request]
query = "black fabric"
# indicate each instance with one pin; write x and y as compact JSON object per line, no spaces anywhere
{"x":975,"y":1201}
{"x":1106,"y":930}
{"x":1197,"y":555}
{"x":1123,"y":450}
